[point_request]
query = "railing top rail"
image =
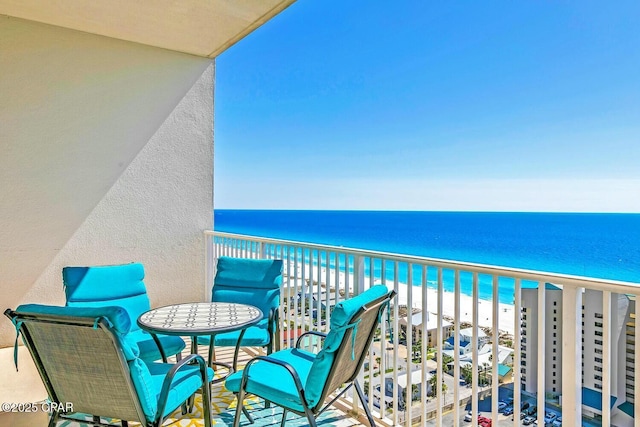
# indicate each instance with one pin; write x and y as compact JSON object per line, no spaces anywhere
{"x":516,"y":273}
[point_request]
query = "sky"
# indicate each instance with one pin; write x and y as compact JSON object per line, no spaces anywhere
{"x":443,"y":105}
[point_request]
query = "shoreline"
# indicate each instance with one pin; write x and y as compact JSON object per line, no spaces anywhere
{"x":506,"y":320}
{"x":485,"y":307}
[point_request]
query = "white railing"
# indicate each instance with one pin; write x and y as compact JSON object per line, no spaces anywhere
{"x":316,"y":277}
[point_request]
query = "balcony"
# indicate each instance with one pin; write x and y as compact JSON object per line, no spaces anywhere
{"x":316,"y":277}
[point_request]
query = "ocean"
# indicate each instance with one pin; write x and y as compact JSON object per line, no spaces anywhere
{"x":604,"y":246}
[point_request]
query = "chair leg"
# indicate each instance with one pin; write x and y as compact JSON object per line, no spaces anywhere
{"x":183,"y":408}
{"x":244,"y":410}
{"x":194,"y":345}
{"x":206,"y":403}
{"x":53,"y":419}
{"x":96,"y":421}
{"x":237,"y":350}
{"x":125,"y":423}
{"x":189,"y":404}
{"x":364,"y":404}
{"x":284,"y":418}
{"x":239,"y":408}
{"x":310,"y":417}
{"x":267,"y":404}
{"x":212,"y":354}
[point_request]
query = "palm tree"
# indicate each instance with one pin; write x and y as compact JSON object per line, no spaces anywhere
{"x":433,"y":381}
{"x":467,"y":373}
{"x":446,"y":359}
{"x":485,"y":368}
{"x":416,"y":350}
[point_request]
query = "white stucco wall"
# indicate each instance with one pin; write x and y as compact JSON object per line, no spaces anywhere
{"x":106,"y":156}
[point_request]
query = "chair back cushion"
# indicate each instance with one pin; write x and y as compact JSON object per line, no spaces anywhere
{"x":109,"y":285}
{"x":341,"y":317}
{"x":248,"y":281}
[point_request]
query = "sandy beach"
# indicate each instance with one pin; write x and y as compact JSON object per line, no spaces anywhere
{"x":485,"y":307}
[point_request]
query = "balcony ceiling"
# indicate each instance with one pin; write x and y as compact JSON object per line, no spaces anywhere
{"x":199,"y":27}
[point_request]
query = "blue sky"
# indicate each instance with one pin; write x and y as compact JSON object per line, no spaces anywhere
{"x":413,"y":105}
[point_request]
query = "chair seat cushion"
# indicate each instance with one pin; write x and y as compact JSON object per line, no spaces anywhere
{"x":150,"y":377}
{"x":184,"y":384}
{"x":257,"y":335}
{"x":148,"y":348}
{"x":273,"y":382}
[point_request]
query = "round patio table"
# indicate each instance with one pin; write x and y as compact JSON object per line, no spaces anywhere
{"x":202,"y":319}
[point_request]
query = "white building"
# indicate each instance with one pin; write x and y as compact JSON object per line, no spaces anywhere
{"x":431,"y":327}
{"x":621,"y":332}
{"x":592,"y":336}
{"x":552,"y":337}
{"x":402,"y":385}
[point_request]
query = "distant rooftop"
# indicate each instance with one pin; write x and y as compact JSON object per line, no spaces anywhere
{"x":432,"y":320}
{"x":593,"y":398}
{"x":533,"y":285}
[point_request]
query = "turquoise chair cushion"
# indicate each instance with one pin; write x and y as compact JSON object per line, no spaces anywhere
{"x":123,"y":286}
{"x":340,"y":318}
{"x":245,"y":272}
{"x":149,"y":349}
{"x":272,"y":382}
{"x":248,"y":281}
{"x":257,"y":335}
{"x":96,"y":286}
{"x":148,"y":378}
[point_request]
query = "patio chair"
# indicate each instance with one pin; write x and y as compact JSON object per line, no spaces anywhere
{"x":119,"y":285}
{"x":87,"y":360}
{"x":304,"y":379}
{"x":248,"y":281}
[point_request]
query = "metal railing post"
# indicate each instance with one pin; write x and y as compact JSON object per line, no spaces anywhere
{"x":572,"y":356}
{"x":358,"y":274}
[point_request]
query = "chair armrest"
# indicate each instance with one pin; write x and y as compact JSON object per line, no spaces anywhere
{"x":318,"y":333}
{"x":166,"y":384}
{"x":285,"y":365}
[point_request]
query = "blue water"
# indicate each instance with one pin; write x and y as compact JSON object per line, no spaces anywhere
{"x":597,"y":245}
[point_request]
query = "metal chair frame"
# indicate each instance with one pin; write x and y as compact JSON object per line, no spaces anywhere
{"x":25,"y":319}
{"x":338,"y":375}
